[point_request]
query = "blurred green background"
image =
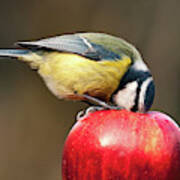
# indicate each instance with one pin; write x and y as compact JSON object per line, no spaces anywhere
{"x":33,"y":123}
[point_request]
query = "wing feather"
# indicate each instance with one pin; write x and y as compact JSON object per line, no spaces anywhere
{"x":73,"y":43}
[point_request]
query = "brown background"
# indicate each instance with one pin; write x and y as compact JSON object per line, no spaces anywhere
{"x":33,"y":123}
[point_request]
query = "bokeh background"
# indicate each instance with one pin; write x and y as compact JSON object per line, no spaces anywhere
{"x":33,"y":123}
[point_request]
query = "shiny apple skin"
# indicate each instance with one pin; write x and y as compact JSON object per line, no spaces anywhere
{"x":122,"y":145}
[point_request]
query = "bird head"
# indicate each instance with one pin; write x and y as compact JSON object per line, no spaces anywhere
{"x":136,"y":89}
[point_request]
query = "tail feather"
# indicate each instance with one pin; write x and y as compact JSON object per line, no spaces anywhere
{"x":14,"y":53}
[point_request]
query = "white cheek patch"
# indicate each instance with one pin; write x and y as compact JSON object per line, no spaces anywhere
{"x":126,"y":97}
{"x":142,"y":94}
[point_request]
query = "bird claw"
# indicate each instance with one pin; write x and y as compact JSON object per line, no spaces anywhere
{"x":94,"y":109}
{"x":80,"y":115}
{"x":84,"y":113}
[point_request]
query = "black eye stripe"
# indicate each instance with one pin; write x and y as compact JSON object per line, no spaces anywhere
{"x":149,"y":95}
{"x":133,"y":75}
{"x":135,"y":107}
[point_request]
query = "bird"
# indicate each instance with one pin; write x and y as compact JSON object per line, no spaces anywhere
{"x":94,"y":67}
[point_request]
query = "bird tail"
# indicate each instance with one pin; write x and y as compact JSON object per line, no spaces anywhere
{"x":32,"y":58}
{"x":14,"y":53}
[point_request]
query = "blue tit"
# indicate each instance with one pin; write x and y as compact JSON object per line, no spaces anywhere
{"x":93,"y":67}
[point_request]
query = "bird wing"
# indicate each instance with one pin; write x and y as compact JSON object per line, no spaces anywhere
{"x":96,"y":46}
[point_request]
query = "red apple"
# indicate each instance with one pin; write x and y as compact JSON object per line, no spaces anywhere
{"x":122,"y":145}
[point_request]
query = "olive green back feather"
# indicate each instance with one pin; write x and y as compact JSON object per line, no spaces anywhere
{"x":114,"y":44}
{"x":95,"y":46}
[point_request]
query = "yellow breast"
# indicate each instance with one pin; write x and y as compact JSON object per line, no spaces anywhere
{"x":69,"y":75}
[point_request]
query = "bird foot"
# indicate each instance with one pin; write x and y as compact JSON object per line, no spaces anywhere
{"x":84,"y":113}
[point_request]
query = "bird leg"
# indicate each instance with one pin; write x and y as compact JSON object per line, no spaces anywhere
{"x":91,"y":109}
{"x":99,"y":102}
